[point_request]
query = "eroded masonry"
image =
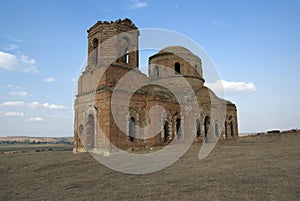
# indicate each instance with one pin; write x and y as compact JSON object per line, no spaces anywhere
{"x":112,"y":55}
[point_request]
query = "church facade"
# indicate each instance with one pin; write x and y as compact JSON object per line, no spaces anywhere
{"x":112,"y":55}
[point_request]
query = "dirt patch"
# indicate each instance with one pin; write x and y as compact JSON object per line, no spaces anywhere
{"x":249,"y":169}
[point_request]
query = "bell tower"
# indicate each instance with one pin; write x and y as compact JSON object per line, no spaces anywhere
{"x":113,"y":43}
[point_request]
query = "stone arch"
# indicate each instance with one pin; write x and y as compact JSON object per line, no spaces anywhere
{"x":178,"y":125}
{"x":229,"y":127}
{"x":177,"y":68}
{"x":90,"y":132}
{"x":132,"y":120}
{"x":166,"y":130}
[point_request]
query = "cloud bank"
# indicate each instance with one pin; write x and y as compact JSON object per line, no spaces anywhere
{"x":14,"y":114}
{"x":231,"y":88}
{"x":13,"y":103}
{"x":17,"y":63}
{"x":19,"y":93}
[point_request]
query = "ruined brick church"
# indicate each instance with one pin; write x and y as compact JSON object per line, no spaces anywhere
{"x":112,"y":53}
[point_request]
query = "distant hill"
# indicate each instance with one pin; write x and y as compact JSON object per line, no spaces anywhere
{"x":35,"y":140}
{"x":287,"y":133}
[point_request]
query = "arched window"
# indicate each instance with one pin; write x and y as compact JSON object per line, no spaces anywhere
{"x":216,"y":130}
{"x":197,"y":127}
{"x":126,"y":56}
{"x":90,"y":132}
{"x":131,"y":129}
{"x":178,"y":129}
{"x":177,"y":68}
{"x":166,"y":130}
{"x":226,"y":132}
{"x":231,"y":129}
{"x":80,"y":130}
{"x":156,"y":70}
{"x":206,"y":125}
{"x":95,"y":52}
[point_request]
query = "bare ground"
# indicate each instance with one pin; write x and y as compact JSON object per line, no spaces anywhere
{"x":257,"y":168}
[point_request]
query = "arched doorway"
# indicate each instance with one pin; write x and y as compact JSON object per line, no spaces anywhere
{"x":131,"y":129}
{"x":90,"y":132}
{"x":178,"y":129}
{"x":197,"y":127}
{"x":166,"y":131}
{"x":206,"y":125}
{"x":177,"y":68}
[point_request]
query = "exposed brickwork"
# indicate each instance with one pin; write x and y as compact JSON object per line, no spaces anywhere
{"x":115,"y":44}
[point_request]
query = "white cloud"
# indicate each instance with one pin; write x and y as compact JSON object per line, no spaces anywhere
{"x":14,"y":114}
{"x":231,"y":88}
{"x":36,"y":119}
{"x":13,"y":103}
{"x":17,"y":63}
{"x":11,"y":47}
{"x":49,"y":79}
{"x":19,"y":93}
{"x":27,"y":60}
{"x":34,"y":104}
{"x":138,"y":4}
{"x":53,"y":106}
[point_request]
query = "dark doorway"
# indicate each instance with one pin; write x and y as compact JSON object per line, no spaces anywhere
{"x":178,"y":129}
{"x":166,"y":131}
{"x":206,"y":125}
{"x":131,"y":129}
{"x":198,"y":128}
{"x":177,"y":68}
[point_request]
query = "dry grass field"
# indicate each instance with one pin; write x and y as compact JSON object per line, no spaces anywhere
{"x":254,"y":168}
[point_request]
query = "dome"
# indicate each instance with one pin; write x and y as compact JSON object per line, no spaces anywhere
{"x":175,"y":50}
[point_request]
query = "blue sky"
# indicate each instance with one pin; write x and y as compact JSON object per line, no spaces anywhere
{"x":43,"y":44}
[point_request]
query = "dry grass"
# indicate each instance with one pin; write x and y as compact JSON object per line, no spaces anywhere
{"x":251,"y":169}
